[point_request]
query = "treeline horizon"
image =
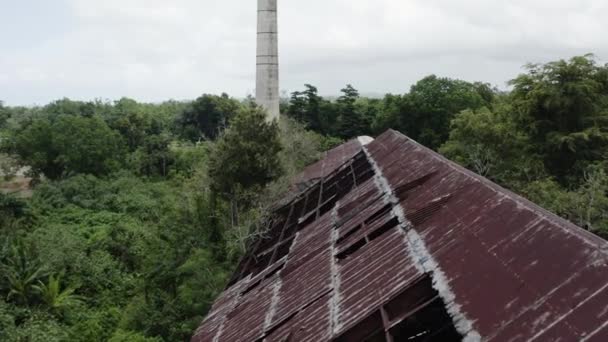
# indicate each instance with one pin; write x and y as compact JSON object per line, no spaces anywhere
{"x":139,"y":212}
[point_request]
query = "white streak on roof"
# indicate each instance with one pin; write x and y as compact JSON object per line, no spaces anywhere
{"x":334,"y":301}
{"x":423,"y":259}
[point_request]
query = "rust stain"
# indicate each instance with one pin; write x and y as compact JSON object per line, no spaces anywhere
{"x":373,"y":228}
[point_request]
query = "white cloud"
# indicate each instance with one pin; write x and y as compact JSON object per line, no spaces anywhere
{"x":153,"y":50}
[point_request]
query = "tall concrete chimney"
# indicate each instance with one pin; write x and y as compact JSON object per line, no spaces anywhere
{"x":267,"y":78}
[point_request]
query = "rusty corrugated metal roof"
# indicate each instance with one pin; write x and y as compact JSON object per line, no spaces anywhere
{"x":380,"y":237}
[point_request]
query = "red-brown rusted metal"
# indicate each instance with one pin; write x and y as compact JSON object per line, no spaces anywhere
{"x":392,"y":212}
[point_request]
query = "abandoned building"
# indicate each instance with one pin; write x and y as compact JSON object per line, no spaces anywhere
{"x":385,"y":240}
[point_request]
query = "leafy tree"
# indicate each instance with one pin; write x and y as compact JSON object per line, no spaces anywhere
{"x":128,"y":118}
{"x":32,"y":326}
{"x":87,"y":145}
{"x":490,"y":143}
{"x":297,"y":106}
{"x":563,"y":106}
{"x":68,"y":144}
{"x":313,"y":108}
{"x":21,"y":270}
{"x":54,"y":297}
{"x":245,"y":158}
{"x":66,"y":106}
{"x":207,"y":116}
{"x":301,"y":147}
{"x":350,"y":121}
{"x":246,"y":155}
{"x":305,"y":106}
{"x":147,"y":226}
{"x":131,"y":336}
{"x":188,"y":158}
{"x":585,"y":206}
{"x":154,"y":157}
{"x":388,"y":116}
{"x":368,"y":110}
{"x":425,"y":113}
{"x":5,"y":114}
{"x":12,"y":209}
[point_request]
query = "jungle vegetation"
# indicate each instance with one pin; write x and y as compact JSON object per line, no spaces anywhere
{"x":139,"y":211}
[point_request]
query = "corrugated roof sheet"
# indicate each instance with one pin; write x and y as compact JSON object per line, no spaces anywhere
{"x":370,"y":223}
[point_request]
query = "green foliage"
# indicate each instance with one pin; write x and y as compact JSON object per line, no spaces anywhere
{"x":207,"y":116}
{"x":188,"y":158}
{"x":146,"y":208}
{"x":12,"y":211}
{"x":21,"y":270}
{"x":5,"y":115}
{"x":301,"y":147}
{"x":54,"y":297}
{"x":246,"y":155}
{"x":305,"y":106}
{"x":135,"y":121}
{"x":154,"y":156}
{"x":67,"y":145}
{"x":585,"y":206}
{"x":350,"y":121}
{"x":563,"y":107}
{"x":425,"y":113}
{"x":92,"y":325}
{"x":546,"y":140}
{"x":489,"y":143}
{"x":348,"y":117}
{"x":66,"y":106}
{"x":33,"y":326}
{"x":131,"y":336}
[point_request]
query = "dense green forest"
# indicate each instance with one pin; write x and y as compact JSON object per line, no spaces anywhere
{"x":140,"y":211}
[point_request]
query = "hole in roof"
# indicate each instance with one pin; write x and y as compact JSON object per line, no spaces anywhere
{"x":310,"y":218}
{"x":325,"y":208}
{"x":329,"y":192}
{"x":349,"y":234}
{"x":379,"y":214}
{"x":369,"y":329}
{"x":251,"y":287}
{"x":345,"y":253}
{"x":283,"y":249}
{"x":417,"y":314}
{"x":430,"y":323}
{"x":384,"y":229}
{"x":313,"y":200}
{"x":357,"y":202}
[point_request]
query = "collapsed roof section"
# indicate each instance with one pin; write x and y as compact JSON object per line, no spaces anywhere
{"x":388,"y":241}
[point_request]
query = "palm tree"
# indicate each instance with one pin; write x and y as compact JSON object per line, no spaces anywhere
{"x":21,"y":271}
{"x":54,"y":297}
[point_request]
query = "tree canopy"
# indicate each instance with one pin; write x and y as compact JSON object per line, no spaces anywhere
{"x":141,"y":211}
{"x":207,"y":116}
{"x":246,"y":155}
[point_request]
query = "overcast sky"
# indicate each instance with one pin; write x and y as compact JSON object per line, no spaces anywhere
{"x":153,"y":50}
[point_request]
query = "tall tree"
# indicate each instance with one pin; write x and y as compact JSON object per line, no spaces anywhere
{"x":350,"y":121}
{"x":129,"y":118}
{"x":563,"y":105}
{"x":424,"y":114}
{"x":5,"y":114}
{"x":305,"y":106}
{"x":297,"y":106}
{"x":490,"y":143}
{"x":246,"y":157}
{"x":69,"y":144}
{"x":207,"y":116}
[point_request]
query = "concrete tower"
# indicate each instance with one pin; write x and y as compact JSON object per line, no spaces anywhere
{"x":267,"y":80}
